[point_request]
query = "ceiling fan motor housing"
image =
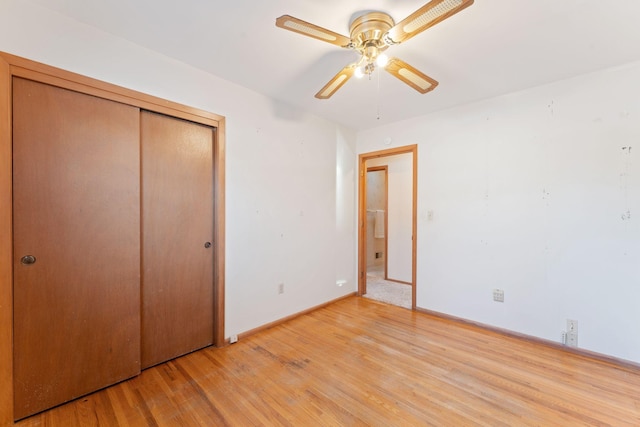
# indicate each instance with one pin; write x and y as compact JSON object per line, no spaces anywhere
{"x":367,"y":32}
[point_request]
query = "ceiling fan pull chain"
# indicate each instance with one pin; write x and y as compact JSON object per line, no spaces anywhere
{"x":378,"y":96}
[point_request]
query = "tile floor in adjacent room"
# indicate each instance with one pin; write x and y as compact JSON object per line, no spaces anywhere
{"x":387,"y":291}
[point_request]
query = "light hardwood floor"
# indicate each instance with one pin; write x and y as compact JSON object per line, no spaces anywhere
{"x":359,"y":362}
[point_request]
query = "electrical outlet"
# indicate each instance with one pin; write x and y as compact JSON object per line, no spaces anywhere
{"x":498,"y":295}
{"x":233,"y":339}
{"x":281,"y":288}
{"x":572,"y":333}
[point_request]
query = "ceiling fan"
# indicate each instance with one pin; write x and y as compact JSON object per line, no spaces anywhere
{"x":371,"y":34}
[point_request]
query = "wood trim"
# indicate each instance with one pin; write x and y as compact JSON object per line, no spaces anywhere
{"x":6,"y":249}
{"x":362,"y":212}
{"x":219,"y":234}
{"x":362,"y":227}
{"x":10,"y":66}
{"x":414,"y":225}
{"x":28,"y":69}
{"x":399,"y":281}
{"x":587,"y":354}
{"x":386,"y":222}
{"x":290,"y":317}
{"x":390,"y":152}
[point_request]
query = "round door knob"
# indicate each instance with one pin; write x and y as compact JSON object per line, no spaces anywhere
{"x":207,"y":245}
{"x":28,"y":259}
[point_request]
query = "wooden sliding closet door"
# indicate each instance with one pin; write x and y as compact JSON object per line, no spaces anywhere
{"x":76,"y":244}
{"x":177,"y":215}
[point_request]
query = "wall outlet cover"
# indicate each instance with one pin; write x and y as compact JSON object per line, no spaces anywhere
{"x":572,"y":339}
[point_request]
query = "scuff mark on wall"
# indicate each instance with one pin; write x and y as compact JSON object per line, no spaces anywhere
{"x":624,"y":186}
{"x":624,"y":182}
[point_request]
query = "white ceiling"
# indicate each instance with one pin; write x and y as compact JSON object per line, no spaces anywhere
{"x":491,"y":48}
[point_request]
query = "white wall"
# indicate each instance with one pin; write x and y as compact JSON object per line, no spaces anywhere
{"x":290,"y":182}
{"x":400,"y":214}
{"x":533,"y":193}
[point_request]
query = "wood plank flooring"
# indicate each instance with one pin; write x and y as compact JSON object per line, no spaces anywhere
{"x":362,"y":363}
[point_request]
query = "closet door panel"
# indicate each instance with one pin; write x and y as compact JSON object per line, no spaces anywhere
{"x":77,"y":214}
{"x":177,"y":291}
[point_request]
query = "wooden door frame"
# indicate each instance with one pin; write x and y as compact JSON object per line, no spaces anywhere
{"x":11,"y":66}
{"x":362,"y":214}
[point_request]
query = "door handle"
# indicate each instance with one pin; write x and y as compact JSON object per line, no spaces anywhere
{"x":28,"y":259}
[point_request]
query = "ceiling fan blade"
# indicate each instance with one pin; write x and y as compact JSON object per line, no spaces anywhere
{"x":336,"y":82}
{"x":414,"y":78}
{"x":301,"y":27}
{"x":427,"y":16}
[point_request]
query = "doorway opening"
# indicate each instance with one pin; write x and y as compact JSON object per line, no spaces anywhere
{"x":377,"y":227}
{"x":387,"y":212}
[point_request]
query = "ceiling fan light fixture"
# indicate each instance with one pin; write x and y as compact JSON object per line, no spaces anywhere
{"x":382,"y":60}
{"x":371,"y":34}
